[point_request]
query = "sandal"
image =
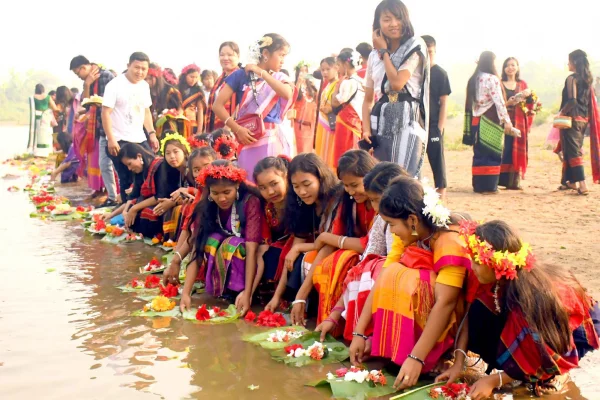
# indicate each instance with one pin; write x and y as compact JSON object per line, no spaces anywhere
{"x":563,"y":188}
{"x":582,"y":193}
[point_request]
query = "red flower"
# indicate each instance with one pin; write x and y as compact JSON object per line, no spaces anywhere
{"x":202,"y":313}
{"x":80,"y":209}
{"x":169,"y":290}
{"x":271,"y":319}
{"x":453,"y":390}
{"x":229,"y":173}
{"x":250,"y":316}
{"x":97,"y":218}
{"x":155,"y":262}
{"x":341,"y":372}
{"x":152,"y":281}
{"x":134,"y":283}
{"x":51,"y":207}
{"x":100,"y":225}
{"x":292,"y":347}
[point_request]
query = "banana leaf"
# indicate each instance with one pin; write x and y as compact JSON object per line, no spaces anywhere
{"x":156,"y":271}
{"x":198,"y":287}
{"x":149,"y":298}
{"x":142,"y":292}
{"x":167,"y":249}
{"x":341,"y":389}
{"x":69,"y":217}
{"x":171,"y":313}
{"x":114,"y":239}
{"x":132,"y":241}
{"x":261,"y":338}
{"x":102,"y":232}
{"x":338,"y":353}
{"x":420,"y":393}
{"x":148,"y":241}
{"x":86,"y":224}
{"x":232,"y":316}
{"x":39,"y":215}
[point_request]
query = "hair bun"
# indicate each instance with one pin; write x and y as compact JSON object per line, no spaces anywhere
{"x":285,"y":157}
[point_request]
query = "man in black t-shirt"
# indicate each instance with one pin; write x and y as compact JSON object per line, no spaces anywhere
{"x":439,"y":90}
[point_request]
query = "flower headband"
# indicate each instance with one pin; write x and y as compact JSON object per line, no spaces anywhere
{"x":504,"y":263}
{"x":434,"y":208}
{"x":155,"y":72}
{"x":196,"y":144}
{"x":265,"y":41}
{"x":225,"y":146}
{"x":229,"y":172}
{"x":174,"y":136}
{"x":191,"y":67}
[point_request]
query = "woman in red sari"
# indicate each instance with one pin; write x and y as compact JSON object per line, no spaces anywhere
{"x":229,"y":57}
{"x":194,"y":103}
{"x":515,"y":153}
{"x":528,"y":321}
{"x":348,"y":237}
{"x":347,"y":103}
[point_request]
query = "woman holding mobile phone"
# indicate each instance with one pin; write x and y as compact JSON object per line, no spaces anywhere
{"x":397,"y":77}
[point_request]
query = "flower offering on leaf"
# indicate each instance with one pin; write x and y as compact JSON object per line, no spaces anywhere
{"x":153,"y":265}
{"x":170,"y":290}
{"x":169,"y":243}
{"x":292,"y":348}
{"x":359,"y":375}
{"x":202,"y":314}
{"x":13,"y":189}
{"x":269,"y":318}
{"x":136,"y":284}
{"x":159,"y":304}
{"x":132,"y":237}
{"x":451,"y":391}
{"x":152,"y":282}
{"x":284,"y":336}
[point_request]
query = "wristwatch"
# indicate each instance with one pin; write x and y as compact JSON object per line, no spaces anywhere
{"x":152,"y":133}
{"x":382,"y":52}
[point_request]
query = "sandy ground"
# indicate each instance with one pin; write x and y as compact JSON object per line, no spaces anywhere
{"x":561,"y":226}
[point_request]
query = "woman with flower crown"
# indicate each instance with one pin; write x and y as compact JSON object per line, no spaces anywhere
{"x":194,"y":103}
{"x":228,"y":232}
{"x":347,"y":100}
{"x":528,"y":321}
{"x":416,"y":302}
{"x":264,"y":95}
{"x":164,"y":96}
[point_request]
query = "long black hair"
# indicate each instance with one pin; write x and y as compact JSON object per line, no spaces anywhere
{"x":379,"y":178}
{"x":299,"y":216}
{"x":405,"y":197}
{"x":486,"y":64}
{"x":346,"y":56}
{"x":533,"y":292}
{"x":581,"y":63}
{"x":278,"y":42}
{"x":131,"y":150}
{"x":207,"y":211}
{"x":505,"y":64}
{"x":279,"y":163}
{"x":400,"y":11}
{"x":183,"y":85}
{"x":356,"y":163}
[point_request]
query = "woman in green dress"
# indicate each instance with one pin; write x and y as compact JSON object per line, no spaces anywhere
{"x":40,"y":127}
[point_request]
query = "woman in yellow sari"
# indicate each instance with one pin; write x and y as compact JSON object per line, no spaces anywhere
{"x":324,"y":143}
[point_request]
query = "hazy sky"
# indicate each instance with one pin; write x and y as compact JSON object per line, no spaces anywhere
{"x":46,"y":35}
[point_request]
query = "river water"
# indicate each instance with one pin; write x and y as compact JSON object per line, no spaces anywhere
{"x":68,"y":333}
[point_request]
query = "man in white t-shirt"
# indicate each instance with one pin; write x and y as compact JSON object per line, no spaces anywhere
{"x":125,"y":114}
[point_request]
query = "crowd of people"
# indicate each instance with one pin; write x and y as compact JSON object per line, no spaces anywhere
{"x":302,"y":192}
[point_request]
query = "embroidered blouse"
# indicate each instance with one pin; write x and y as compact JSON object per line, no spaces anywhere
{"x":488,"y":93}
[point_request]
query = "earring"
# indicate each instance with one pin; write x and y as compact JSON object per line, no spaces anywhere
{"x":299,"y":200}
{"x":266,"y":59}
{"x":414,"y":231}
{"x":237,"y":195}
{"x":210,"y":198}
{"x":351,"y":198}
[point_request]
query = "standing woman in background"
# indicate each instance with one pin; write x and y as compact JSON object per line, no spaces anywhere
{"x":194,"y":103}
{"x":485,"y":113}
{"x":398,"y":80}
{"x":305,"y":133}
{"x":579,"y":103}
{"x":514,"y":156}
{"x":326,"y":119}
{"x":229,"y":57}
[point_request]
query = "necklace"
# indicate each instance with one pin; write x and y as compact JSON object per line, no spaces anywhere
{"x":234,"y":222}
{"x":425,"y":243}
{"x":496,"y":301}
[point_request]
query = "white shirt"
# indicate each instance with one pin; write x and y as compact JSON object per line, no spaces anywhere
{"x":347,"y":89}
{"x":129,"y":102}
{"x":376,"y":73}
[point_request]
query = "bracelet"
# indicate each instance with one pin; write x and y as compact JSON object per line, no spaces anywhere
{"x":417,"y":359}
{"x":466,"y":357}
{"x":179,"y":255}
{"x":152,"y":133}
{"x":228,"y":118}
{"x":332,"y":320}
{"x":360,"y":335}
{"x":338,"y":308}
{"x":298,"y":302}
{"x":342,"y":241}
{"x":499,"y":376}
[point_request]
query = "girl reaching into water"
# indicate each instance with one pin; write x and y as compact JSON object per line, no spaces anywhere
{"x":529,"y":321}
{"x":228,"y":232}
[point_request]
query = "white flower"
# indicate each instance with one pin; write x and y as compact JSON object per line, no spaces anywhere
{"x":299,"y":352}
{"x":211,"y":313}
{"x":356,"y":58}
{"x":291,"y":353}
{"x":330,"y":376}
{"x":359,"y":376}
{"x":434,"y":209}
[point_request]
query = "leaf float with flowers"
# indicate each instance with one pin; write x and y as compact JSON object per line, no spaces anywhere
{"x":313,"y":351}
{"x":277,"y":338}
{"x":153,"y":267}
{"x":160,"y":306}
{"x":212,"y":315}
{"x":354,"y":383}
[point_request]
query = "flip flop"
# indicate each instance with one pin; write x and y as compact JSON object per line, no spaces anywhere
{"x":563,"y":188}
{"x":582,"y":193}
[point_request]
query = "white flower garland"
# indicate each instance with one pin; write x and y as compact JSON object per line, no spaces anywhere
{"x":356,"y":59}
{"x":434,"y":208}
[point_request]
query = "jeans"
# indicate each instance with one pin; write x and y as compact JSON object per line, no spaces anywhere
{"x":125,"y":176}
{"x":107,"y":170}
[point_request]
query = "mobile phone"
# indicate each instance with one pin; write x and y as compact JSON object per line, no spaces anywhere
{"x":363,"y":144}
